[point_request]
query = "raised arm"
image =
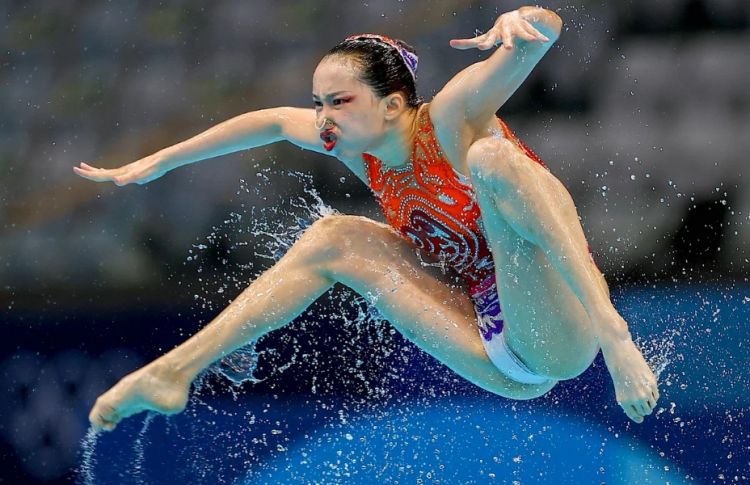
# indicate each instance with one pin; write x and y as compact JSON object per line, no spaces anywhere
{"x":481,"y":89}
{"x":248,"y":130}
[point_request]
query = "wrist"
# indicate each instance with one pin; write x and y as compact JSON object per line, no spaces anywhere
{"x":550,"y":22}
{"x":506,"y":14}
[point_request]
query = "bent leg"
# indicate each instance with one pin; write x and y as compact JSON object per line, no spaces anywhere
{"x":531,"y":219}
{"x":362,"y":254}
{"x":547,"y":325}
{"x":539,"y":209}
{"x":421,"y":303}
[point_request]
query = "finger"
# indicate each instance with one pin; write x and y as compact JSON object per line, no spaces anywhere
{"x":535,"y":32}
{"x":109,"y":171}
{"x":527,"y":34}
{"x":102,"y":175}
{"x":463,"y":44}
{"x":96,"y":176}
{"x":87,"y":174}
{"x":507,"y":38}
{"x":489,"y":42}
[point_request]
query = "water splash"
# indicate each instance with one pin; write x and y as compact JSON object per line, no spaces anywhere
{"x":136,"y":469}
{"x":659,"y":352}
{"x":240,"y":365}
{"x":85,"y":470}
{"x":270,"y":231}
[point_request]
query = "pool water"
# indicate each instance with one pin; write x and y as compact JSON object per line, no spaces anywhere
{"x":425,"y":425}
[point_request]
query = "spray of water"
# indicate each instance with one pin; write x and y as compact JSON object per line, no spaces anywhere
{"x":85,"y":470}
{"x":265,"y":233}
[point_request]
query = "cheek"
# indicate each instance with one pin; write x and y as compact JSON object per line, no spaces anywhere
{"x":358,"y":126}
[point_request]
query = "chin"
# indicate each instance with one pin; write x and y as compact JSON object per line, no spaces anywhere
{"x":344,"y":152}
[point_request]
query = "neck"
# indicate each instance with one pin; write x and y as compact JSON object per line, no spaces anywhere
{"x":394,"y":148}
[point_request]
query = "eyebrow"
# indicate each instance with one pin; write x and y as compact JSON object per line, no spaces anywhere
{"x":331,"y":94}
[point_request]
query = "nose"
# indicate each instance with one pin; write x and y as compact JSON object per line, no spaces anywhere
{"x":322,"y":120}
{"x":320,"y":117}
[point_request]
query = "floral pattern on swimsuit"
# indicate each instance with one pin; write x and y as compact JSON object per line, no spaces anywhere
{"x":434,"y":207}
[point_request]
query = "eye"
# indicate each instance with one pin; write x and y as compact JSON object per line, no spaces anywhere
{"x":340,"y":101}
{"x":317,"y":103}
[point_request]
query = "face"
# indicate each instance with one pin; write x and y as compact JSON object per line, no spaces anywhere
{"x":350,"y":104}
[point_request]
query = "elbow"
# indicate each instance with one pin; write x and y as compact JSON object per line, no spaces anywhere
{"x":272,"y":121}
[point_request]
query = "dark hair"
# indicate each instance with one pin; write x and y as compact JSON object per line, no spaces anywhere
{"x":380,"y":66}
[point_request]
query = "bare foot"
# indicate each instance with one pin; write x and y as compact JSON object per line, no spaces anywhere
{"x":636,"y":388}
{"x":154,"y":387}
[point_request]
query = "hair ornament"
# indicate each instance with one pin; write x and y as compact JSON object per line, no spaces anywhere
{"x":410,"y":59}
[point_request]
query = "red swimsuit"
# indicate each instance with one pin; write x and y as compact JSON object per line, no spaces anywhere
{"x":434,"y":206}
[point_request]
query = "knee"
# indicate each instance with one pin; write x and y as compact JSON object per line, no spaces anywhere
{"x":333,"y":237}
{"x":494,"y":162}
{"x":323,"y":239}
{"x":575,"y":365}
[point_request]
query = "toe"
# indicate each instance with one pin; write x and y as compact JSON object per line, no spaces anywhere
{"x":644,"y":409}
{"x":633,"y":413}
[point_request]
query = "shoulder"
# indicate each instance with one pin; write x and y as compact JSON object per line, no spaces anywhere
{"x":455,"y":133}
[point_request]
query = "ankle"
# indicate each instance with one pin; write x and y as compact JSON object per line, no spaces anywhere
{"x":169,"y":369}
{"x":610,"y":339}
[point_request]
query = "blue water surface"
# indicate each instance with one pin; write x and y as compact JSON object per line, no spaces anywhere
{"x":433,"y":428}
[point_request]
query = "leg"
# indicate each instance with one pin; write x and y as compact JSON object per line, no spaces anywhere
{"x":557,"y":300}
{"x":365,"y":255}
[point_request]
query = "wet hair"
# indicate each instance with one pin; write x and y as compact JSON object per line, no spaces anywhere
{"x":380,"y":66}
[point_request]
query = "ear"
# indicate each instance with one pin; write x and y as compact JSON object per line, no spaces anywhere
{"x":393,"y":105}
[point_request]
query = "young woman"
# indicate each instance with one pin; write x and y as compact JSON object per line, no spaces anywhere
{"x":455,"y":184}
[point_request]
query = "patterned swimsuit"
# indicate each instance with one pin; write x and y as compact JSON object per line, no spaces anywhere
{"x":435,"y":208}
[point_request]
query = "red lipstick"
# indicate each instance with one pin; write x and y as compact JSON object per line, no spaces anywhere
{"x":329,"y":139}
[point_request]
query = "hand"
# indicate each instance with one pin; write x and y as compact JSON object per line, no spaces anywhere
{"x":140,"y":172}
{"x":508,"y":26}
{"x":636,"y":389}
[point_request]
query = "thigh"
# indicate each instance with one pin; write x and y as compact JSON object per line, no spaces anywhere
{"x":545,"y":321}
{"x":428,"y":307}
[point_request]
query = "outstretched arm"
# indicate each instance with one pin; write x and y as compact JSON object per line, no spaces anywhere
{"x":248,"y":130}
{"x":481,"y":89}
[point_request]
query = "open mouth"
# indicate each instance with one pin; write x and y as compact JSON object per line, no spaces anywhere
{"x":329,"y":139}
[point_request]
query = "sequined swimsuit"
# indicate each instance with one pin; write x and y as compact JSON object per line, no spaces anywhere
{"x":435,"y":208}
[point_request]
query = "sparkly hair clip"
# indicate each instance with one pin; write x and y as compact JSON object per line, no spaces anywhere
{"x":410,"y":59}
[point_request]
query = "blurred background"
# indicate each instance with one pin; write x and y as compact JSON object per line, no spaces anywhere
{"x":641,"y":109}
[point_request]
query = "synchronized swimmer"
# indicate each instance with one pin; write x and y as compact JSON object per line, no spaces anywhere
{"x":521,"y":305}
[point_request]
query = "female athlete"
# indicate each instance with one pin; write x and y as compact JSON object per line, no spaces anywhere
{"x":522,"y":304}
